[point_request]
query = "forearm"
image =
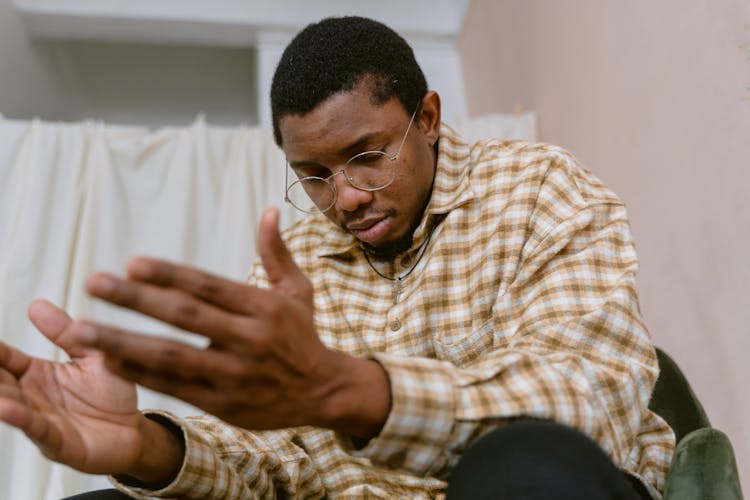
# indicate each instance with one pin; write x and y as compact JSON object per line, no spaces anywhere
{"x":225,"y":462}
{"x":439,"y":408}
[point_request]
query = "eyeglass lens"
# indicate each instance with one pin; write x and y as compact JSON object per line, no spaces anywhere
{"x":369,"y":171}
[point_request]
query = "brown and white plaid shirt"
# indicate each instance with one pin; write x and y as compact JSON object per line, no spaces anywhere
{"x":523,"y":304}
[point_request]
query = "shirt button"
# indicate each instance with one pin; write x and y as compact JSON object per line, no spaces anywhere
{"x":395,"y":324}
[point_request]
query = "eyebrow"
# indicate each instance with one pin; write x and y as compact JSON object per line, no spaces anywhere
{"x":346,"y":151}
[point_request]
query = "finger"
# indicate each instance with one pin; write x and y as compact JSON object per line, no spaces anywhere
{"x":32,"y":423}
{"x":205,"y":396}
{"x":170,"y":358}
{"x":13,"y":360}
{"x":50,"y":320}
{"x":169,"y":305}
{"x":9,"y":386}
{"x":196,"y":392}
{"x":54,"y":322}
{"x":14,"y":412}
{"x":40,"y":430}
{"x":283,"y":273}
{"x":226,"y":294}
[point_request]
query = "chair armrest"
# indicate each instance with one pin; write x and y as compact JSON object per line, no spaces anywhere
{"x":703,"y":467}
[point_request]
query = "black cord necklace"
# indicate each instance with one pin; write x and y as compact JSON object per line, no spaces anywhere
{"x":398,"y":280}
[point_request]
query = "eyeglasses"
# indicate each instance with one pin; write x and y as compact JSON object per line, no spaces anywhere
{"x":368,"y":171}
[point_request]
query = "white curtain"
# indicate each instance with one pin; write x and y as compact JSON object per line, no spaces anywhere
{"x":81,"y":197}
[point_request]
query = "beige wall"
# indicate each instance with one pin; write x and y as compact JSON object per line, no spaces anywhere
{"x":654,"y":97}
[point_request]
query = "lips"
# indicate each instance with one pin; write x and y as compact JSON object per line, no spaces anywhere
{"x":369,"y":230}
{"x":363,"y":224}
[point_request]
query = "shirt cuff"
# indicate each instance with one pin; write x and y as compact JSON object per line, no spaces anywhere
{"x":417,"y":432}
{"x":190,"y":481}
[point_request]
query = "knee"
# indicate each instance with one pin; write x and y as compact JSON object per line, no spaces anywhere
{"x":536,"y":446}
{"x":536,"y":459}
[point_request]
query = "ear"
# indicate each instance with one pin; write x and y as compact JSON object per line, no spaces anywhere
{"x":429,"y":117}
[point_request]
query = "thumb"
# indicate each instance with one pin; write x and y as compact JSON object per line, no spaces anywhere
{"x":54,"y":323}
{"x":283,"y":273}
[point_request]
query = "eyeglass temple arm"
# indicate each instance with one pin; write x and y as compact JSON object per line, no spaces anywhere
{"x":286,"y":182}
{"x":403,"y":140}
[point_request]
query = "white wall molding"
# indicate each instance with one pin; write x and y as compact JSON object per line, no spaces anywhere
{"x":432,"y":27}
{"x":233,"y":23}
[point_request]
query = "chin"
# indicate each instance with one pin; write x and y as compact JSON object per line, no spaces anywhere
{"x":388,"y":250}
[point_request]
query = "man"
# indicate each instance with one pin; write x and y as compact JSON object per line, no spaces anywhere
{"x":442,"y":305}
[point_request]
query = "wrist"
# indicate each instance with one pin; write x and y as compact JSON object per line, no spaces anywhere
{"x":360,"y":402}
{"x":161,"y":456}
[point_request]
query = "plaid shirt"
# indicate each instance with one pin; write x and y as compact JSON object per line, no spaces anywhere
{"x":523,"y":304}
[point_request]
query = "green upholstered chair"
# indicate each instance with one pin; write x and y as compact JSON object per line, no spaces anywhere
{"x":703,"y":466}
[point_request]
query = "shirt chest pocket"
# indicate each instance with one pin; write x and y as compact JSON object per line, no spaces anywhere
{"x":461,"y":348}
{"x":463,"y":342}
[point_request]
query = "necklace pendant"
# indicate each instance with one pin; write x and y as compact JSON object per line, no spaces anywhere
{"x":397,"y":287}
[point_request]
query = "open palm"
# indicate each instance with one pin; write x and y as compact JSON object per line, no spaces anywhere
{"x":78,"y":413}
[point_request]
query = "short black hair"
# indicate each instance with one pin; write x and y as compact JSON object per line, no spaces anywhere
{"x":335,"y":55}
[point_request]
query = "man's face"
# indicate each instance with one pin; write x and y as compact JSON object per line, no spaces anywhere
{"x":320,"y":142}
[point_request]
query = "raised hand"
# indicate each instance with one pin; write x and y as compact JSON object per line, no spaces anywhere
{"x":78,"y":413}
{"x":265,"y":366}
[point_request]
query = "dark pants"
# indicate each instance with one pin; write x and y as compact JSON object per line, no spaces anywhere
{"x":100,"y":495}
{"x":540,"y":460}
{"x":526,"y":460}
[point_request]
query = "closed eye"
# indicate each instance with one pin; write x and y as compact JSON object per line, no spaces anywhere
{"x":321,"y":172}
{"x":368,"y":158}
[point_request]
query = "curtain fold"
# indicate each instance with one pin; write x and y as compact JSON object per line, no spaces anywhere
{"x":82,"y":197}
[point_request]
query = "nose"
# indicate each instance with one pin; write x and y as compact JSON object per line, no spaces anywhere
{"x":349,"y":198}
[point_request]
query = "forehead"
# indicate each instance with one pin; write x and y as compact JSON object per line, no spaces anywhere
{"x":336,"y":123}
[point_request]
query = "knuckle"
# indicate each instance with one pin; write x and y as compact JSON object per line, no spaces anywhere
{"x":182,"y":311}
{"x":262,"y":345}
{"x":274,"y":309}
{"x":206,"y":287}
{"x":233,"y":372}
{"x":168,"y":355}
{"x":264,"y":351}
{"x":237,"y":328}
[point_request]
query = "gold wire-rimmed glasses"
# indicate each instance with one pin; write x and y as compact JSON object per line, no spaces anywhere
{"x":368,"y":171}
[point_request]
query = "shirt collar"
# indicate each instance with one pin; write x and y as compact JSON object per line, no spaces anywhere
{"x":451,"y":188}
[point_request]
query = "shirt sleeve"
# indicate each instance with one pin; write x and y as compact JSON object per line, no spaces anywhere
{"x":225,"y":462}
{"x":568,"y":345}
